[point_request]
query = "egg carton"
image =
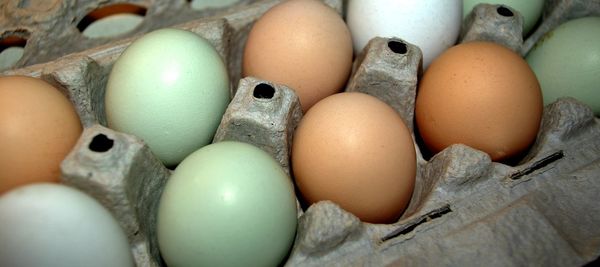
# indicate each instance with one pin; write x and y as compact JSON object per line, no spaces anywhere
{"x":50,"y":29}
{"x":466,"y":210}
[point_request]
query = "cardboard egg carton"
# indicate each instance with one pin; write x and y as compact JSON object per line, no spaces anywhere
{"x":53,"y":28}
{"x":465,"y":211}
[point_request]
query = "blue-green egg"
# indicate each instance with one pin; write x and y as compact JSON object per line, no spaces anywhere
{"x":227,"y":204}
{"x":567,"y":62}
{"x":171,"y":88}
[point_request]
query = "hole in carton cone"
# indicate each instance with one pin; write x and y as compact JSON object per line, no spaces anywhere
{"x":505,"y":12}
{"x":111,"y":20}
{"x":397,"y":47}
{"x":101,"y":143}
{"x":263,"y":91}
{"x":12,"y":48}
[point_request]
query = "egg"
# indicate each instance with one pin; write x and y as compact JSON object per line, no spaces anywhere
{"x":432,"y":25}
{"x":113,"y":25}
{"x":480,"y":94}
{"x":355,"y":150}
{"x":567,"y":62}
{"x":47,"y":224}
{"x":38,"y":128}
{"x":170,"y":88}
{"x":227,"y":204}
{"x":303,"y":44}
{"x":531,"y":10}
{"x":205,"y":4}
{"x":112,"y":20}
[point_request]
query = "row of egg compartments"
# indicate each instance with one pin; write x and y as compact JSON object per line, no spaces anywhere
{"x":103,"y":146}
{"x":265,"y":96}
{"x":264,"y":91}
{"x":99,"y":143}
{"x":111,"y":21}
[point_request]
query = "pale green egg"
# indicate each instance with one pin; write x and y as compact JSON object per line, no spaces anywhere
{"x":113,"y":25}
{"x":203,"y":4}
{"x":227,"y":204}
{"x":531,"y":10}
{"x":48,"y":224}
{"x":170,"y":88}
{"x":567,"y":62}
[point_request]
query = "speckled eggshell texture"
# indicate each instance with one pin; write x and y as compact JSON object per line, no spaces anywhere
{"x":355,"y":150}
{"x":480,"y":94}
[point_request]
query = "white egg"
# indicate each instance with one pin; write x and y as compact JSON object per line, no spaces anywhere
{"x":433,"y":25}
{"x":55,"y":225}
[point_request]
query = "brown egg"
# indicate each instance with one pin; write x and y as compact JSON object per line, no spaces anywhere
{"x":303,"y":44}
{"x":38,"y":127}
{"x":480,"y":94}
{"x":355,"y":150}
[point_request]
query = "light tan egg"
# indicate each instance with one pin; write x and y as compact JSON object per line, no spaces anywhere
{"x":303,"y":44}
{"x":355,"y":150}
{"x":38,"y":128}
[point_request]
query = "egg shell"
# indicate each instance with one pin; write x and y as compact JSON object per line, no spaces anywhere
{"x":170,"y":88}
{"x":202,"y":4}
{"x":433,"y":25}
{"x":480,"y":94}
{"x":567,"y":62}
{"x":38,"y":127}
{"x":531,"y":10}
{"x":353,"y":149}
{"x":10,"y":56}
{"x":113,"y":25}
{"x":227,"y":204}
{"x":55,"y":225}
{"x":303,"y":44}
